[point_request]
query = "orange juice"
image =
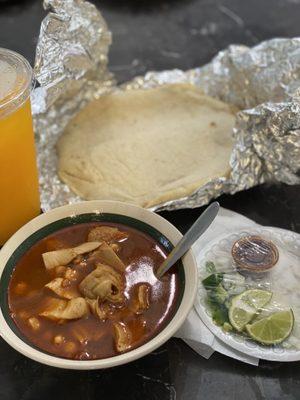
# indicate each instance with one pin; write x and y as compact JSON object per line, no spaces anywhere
{"x":19,"y":200}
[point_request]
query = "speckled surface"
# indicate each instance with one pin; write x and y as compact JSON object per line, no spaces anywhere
{"x":162,"y":35}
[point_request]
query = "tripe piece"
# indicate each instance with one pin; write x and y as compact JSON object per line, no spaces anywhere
{"x":62,"y":309}
{"x":62,"y":257}
{"x":123,"y":336}
{"x":106,"y":255}
{"x":142,"y":298}
{"x":57,"y":286}
{"x":103,"y":283}
{"x":101,"y":311}
{"x":106,"y":234}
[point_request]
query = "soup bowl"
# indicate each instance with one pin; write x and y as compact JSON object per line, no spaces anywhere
{"x":93,"y":211}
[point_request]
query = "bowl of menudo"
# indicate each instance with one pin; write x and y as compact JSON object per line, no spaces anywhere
{"x":79,"y":290}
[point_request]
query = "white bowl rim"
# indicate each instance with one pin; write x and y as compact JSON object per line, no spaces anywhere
{"x":105,"y":206}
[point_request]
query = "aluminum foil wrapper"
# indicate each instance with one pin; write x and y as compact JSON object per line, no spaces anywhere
{"x":263,"y":82}
{"x":70,"y":69}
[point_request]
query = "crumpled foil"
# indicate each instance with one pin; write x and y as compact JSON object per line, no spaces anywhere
{"x":71,"y":69}
{"x":263,"y":82}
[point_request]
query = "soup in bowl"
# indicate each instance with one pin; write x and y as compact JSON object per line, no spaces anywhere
{"x":79,"y":290}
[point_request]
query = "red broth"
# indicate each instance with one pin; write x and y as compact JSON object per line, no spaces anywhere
{"x":89,"y":337}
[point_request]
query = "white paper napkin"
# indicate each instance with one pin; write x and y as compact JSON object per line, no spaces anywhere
{"x":193,"y":331}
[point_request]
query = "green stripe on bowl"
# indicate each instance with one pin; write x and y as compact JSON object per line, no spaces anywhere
{"x":64,"y":223}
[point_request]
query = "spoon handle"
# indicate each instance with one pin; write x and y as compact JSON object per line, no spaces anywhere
{"x":185,"y":243}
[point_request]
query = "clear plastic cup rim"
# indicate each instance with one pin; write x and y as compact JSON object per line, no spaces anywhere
{"x":8,"y":102}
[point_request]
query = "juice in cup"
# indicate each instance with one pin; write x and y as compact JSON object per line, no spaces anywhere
{"x":19,"y":199}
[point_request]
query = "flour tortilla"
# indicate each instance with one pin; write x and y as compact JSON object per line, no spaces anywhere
{"x":146,"y":146}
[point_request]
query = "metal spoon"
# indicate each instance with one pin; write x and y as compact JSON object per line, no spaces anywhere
{"x":196,"y":230}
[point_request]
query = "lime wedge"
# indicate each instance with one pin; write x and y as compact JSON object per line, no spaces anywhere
{"x":246,"y":305}
{"x":273,"y":329}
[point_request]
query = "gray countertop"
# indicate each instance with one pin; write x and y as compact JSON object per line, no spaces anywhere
{"x":157,"y":35}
